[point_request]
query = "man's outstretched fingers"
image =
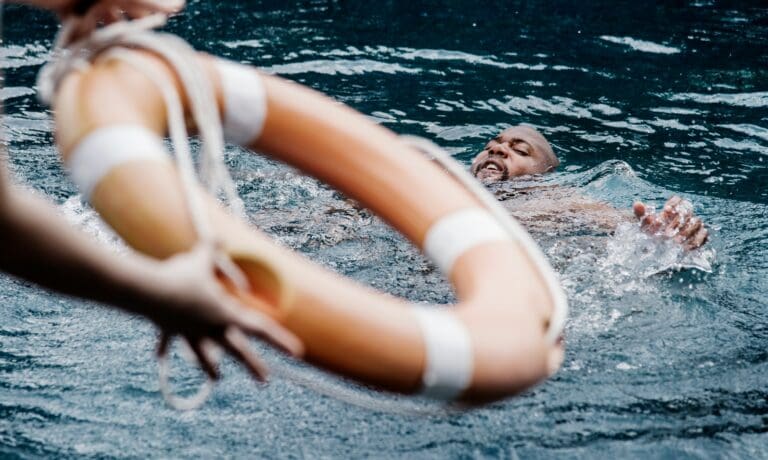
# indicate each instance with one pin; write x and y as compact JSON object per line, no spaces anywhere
{"x":81,"y":7}
{"x":651,"y":223}
{"x":673,"y":225}
{"x":137,"y":12}
{"x":676,"y":221}
{"x":698,"y":239}
{"x":80,"y":28}
{"x":236,"y":343}
{"x":113,"y":14}
{"x":691,"y":227}
{"x":670,"y":211}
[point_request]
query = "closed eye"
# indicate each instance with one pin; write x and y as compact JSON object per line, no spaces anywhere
{"x":520,"y":147}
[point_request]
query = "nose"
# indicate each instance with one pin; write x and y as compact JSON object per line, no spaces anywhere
{"x":498,"y":149}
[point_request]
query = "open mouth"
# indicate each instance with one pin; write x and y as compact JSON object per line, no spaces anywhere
{"x":491,"y":169}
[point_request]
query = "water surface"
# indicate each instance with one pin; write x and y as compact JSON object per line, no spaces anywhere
{"x":641,"y":101}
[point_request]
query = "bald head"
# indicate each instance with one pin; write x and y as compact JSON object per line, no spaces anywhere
{"x":537,"y":141}
{"x":516,"y":151}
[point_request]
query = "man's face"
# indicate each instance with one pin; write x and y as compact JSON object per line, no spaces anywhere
{"x":517,"y":151}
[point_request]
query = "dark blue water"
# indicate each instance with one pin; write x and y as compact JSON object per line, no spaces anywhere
{"x":641,"y":100}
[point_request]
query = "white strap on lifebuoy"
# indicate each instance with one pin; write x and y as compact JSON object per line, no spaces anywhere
{"x":510,"y":225}
{"x":458,"y":232}
{"x":106,"y":148}
{"x":245,"y":102}
{"x":449,"y":356}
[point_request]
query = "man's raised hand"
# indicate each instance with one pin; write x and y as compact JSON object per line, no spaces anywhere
{"x":675,"y":221}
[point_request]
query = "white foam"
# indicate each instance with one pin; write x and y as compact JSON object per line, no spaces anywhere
{"x":641,"y":45}
{"x":750,"y":130}
{"x":245,"y":43}
{"x":11,"y":92}
{"x":756,"y":99}
{"x":340,"y":67}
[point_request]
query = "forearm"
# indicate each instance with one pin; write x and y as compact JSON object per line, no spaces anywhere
{"x":40,"y":246}
{"x":564,"y":210}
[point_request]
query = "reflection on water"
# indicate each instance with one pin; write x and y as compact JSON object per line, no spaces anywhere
{"x":639,"y":103}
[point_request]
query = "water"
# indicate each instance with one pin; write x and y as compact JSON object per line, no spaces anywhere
{"x":639,"y":101}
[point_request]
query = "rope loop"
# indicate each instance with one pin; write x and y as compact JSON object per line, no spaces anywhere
{"x":180,"y":403}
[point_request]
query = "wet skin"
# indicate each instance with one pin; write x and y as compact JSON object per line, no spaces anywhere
{"x":676,"y":220}
{"x":521,"y":150}
{"x":516,"y":151}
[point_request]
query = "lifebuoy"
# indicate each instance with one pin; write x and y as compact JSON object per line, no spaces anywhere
{"x":110,"y":124}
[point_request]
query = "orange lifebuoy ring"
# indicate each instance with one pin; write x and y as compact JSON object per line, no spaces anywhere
{"x":494,"y":343}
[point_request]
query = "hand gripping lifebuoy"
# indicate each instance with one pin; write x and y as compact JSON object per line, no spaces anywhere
{"x":496,"y":342}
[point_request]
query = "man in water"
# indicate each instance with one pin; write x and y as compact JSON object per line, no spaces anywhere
{"x":521,"y":151}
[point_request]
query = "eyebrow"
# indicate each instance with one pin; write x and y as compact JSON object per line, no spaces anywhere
{"x":514,"y":141}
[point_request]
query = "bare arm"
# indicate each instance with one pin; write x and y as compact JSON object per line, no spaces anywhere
{"x":563,"y":210}
{"x":181,"y":295}
{"x":36,"y":244}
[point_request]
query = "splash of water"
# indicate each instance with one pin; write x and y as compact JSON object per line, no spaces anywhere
{"x":634,"y":253}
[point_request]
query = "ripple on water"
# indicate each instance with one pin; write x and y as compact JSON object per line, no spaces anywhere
{"x":340,"y":67}
{"x":16,"y":56}
{"x":740,"y":146}
{"x":658,"y":365}
{"x":641,"y":45}
{"x":32,"y":127}
{"x":557,"y":105}
{"x":678,"y":111}
{"x":757,"y":99}
{"x":15,"y":91}
{"x":455,"y":133}
{"x":748,"y":129}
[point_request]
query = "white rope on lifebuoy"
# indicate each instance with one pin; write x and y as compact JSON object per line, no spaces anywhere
{"x":112,"y":42}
